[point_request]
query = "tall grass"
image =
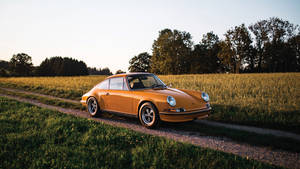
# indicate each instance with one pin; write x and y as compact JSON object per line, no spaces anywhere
{"x":270,"y":100}
{"x":267,"y":100}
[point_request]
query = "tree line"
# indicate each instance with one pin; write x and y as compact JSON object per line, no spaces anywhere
{"x":21,"y":65}
{"x":270,"y":45}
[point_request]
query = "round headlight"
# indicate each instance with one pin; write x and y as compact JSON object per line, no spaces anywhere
{"x":205,"y":96}
{"x":171,"y":100}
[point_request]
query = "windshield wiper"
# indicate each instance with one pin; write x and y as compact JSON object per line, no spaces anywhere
{"x":157,"y":86}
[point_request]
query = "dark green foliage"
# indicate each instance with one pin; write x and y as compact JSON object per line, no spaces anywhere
{"x":58,"y":66}
{"x":4,"y":64}
{"x":274,"y":48}
{"x":236,"y":48}
{"x":277,"y":46}
{"x":21,"y":65}
{"x":140,"y":63}
{"x":4,"y":72}
{"x":119,"y":71}
{"x":205,"y":55}
{"x":95,"y":71}
{"x":171,"y":52}
{"x":33,"y":137}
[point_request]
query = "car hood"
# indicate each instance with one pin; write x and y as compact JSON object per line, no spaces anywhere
{"x":183,"y":99}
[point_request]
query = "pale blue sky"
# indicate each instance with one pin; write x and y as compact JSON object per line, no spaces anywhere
{"x":109,"y":33}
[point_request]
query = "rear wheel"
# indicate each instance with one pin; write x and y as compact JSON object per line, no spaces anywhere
{"x":148,"y":115}
{"x":93,"y":107}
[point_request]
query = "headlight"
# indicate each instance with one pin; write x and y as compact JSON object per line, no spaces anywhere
{"x":171,"y":100}
{"x":205,"y":96}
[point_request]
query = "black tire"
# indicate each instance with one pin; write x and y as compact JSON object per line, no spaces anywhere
{"x":148,"y":115}
{"x":93,"y":107}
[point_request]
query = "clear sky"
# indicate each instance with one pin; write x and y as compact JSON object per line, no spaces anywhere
{"x":108,"y":33}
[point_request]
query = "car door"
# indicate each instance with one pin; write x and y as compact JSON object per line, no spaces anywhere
{"x":118,"y":97}
{"x":100,"y":93}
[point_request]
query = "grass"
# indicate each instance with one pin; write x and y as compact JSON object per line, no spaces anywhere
{"x":263,"y":100}
{"x":270,"y":141}
{"x":32,"y":137}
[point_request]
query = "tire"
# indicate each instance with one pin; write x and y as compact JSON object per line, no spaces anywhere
{"x":93,"y":107}
{"x":148,"y":115}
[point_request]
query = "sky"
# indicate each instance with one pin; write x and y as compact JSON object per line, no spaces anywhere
{"x":108,"y":33}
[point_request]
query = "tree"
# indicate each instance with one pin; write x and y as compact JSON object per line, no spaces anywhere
{"x":4,"y":68}
{"x":171,"y":52}
{"x":119,"y":72}
{"x":58,"y":66}
{"x":271,"y":41}
{"x":294,"y":43}
{"x":94,"y":71}
{"x":4,"y":64}
{"x":21,"y":65}
{"x":140,"y":63}
{"x":260,"y":31}
{"x":236,"y":48}
{"x":205,"y":55}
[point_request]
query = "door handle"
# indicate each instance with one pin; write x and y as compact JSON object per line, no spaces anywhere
{"x":107,"y":94}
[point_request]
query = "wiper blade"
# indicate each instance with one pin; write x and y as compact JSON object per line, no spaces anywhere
{"x":157,"y":85}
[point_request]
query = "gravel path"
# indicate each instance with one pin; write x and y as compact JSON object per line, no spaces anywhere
{"x":251,"y":129}
{"x":206,"y":122}
{"x":264,"y":154}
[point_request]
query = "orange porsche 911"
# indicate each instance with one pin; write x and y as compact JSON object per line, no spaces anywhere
{"x":145,"y":96}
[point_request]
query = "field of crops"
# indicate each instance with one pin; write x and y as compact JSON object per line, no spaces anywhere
{"x":266,"y":100}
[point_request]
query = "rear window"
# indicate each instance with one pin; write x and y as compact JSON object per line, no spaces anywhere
{"x":103,"y":85}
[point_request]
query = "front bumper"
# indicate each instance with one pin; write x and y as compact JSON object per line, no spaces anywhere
{"x":83,"y":102}
{"x":185,"y":116}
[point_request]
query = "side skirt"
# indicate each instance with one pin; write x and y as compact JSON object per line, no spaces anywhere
{"x":121,"y":114}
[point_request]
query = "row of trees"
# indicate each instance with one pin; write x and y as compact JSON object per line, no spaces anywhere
{"x":270,"y":45}
{"x":21,"y":65}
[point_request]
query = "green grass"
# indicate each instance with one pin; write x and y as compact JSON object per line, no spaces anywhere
{"x":263,"y":100}
{"x":45,"y":100}
{"x":270,"y":141}
{"x":32,"y":137}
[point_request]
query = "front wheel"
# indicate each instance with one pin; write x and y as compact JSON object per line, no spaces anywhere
{"x":148,"y":115}
{"x":93,"y":107}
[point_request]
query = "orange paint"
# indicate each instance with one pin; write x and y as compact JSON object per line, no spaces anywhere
{"x":128,"y":98}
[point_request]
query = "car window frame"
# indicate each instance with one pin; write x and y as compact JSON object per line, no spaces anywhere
{"x":124,"y":83}
{"x":129,"y":88}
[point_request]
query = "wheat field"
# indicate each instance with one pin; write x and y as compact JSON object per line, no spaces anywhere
{"x":267,"y":100}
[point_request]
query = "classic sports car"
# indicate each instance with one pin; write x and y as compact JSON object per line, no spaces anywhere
{"x":145,"y":96}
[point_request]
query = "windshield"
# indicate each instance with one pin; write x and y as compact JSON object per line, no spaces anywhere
{"x":143,"y":81}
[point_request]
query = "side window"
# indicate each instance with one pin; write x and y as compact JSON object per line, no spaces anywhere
{"x":103,"y":85}
{"x":116,"y":83}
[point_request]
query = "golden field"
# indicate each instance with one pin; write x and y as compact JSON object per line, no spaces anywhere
{"x":267,"y":100}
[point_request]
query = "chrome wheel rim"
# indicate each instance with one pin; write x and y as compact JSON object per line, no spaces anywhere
{"x":92,"y":105}
{"x":148,"y":115}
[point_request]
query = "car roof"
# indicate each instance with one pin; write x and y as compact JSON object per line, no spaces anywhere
{"x":126,"y":74}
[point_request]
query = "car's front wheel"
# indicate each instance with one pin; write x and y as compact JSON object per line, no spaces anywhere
{"x":148,"y":115}
{"x":93,"y":107}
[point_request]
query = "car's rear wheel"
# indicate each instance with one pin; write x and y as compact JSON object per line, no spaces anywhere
{"x":148,"y":115}
{"x":93,"y":107}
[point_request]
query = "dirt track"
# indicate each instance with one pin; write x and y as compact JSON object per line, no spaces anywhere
{"x":264,"y":154}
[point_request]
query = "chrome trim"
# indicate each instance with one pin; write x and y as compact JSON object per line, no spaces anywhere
{"x":187,"y":113}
